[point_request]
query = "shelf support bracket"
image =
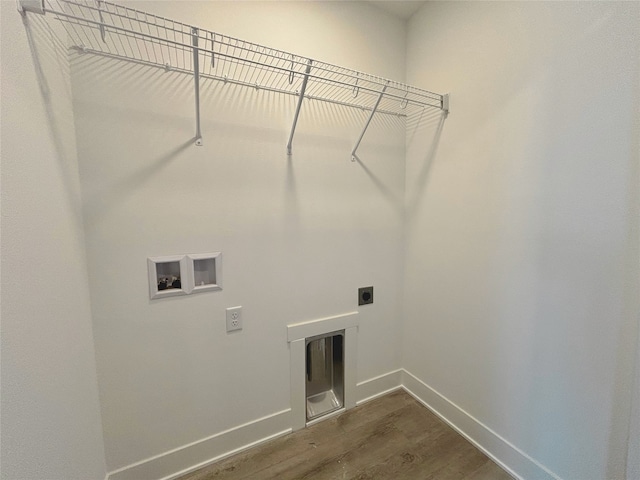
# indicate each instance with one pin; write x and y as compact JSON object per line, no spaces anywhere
{"x":102,"y":29}
{"x":35,"y":6}
{"x":445,"y":103}
{"x":366,"y":125}
{"x":300,"y":97}
{"x":196,"y":79}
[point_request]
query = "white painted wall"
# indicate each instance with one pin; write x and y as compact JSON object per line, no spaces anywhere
{"x":298,"y":236}
{"x":50,"y":414}
{"x":522,"y":235}
{"x":521,"y":232}
{"x":633,"y":450}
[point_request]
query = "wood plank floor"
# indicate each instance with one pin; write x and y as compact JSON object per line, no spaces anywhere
{"x":392,"y":437}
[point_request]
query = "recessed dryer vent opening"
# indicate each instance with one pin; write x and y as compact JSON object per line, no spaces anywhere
{"x":324,"y":374}
{"x":323,"y":360}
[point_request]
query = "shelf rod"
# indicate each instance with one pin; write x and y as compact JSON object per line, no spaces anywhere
{"x":196,"y":79}
{"x":366,"y":125}
{"x":300,"y":97}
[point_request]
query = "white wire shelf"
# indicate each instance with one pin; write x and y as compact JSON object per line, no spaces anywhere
{"x":112,"y":30}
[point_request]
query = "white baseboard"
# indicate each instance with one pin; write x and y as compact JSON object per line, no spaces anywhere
{"x":378,"y":386}
{"x":500,"y":450}
{"x":201,"y":453}
{"x":182,"y":460}
{"x":190,"y":457}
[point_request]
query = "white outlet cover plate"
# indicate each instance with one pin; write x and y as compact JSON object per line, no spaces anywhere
{"x":234,"y":319}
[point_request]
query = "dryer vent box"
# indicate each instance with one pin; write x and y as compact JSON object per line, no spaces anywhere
{"x":365,"y":295}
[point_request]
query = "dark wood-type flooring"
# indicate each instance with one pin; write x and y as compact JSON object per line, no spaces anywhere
{"x":393,"y":437}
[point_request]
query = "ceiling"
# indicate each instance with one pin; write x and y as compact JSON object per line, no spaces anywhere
{"x":402,"y":9}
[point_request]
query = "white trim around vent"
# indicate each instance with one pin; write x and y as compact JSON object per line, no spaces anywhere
{"x":296,"y":335}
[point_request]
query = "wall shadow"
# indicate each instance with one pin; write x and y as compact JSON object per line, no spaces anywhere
{"x":46,"y":48}
{"x":396,"y":201}
{"x":97,"y":205}
{"x":415,"y":190}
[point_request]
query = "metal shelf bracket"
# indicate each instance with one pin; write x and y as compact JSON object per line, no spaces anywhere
{"x":366,"y":125}
{"x":300,"y":97}
{"x":35,"y":6}
{"x":445,"y":103}
{"x":196,"y":80}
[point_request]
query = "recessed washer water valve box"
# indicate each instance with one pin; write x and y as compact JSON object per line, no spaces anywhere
{"x":167,"y":276}
{"x":184,"y":274}
{"x":206,"y":271}
{"x":365,"y":295}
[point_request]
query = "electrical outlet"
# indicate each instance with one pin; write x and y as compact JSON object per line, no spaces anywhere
{"x":365,"y":295}
{"x":234,"y":319}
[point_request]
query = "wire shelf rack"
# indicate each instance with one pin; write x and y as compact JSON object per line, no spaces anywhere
{"x":113,"y":30}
